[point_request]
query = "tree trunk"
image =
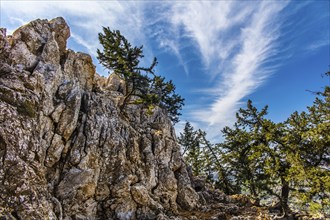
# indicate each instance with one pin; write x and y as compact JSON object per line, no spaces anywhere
{"x":285,"y":196}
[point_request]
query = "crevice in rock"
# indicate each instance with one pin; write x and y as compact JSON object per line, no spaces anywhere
{"x":84,"y":103}
{"x":3,"y":150}
{"x":15,"y":215}
{"x":63,"y":59}
{"x":33,"y":67}
{"x":85,"y":133}
{"x":64,"y":159}
{"x":153,"y":145}
{"x":58,"y":206}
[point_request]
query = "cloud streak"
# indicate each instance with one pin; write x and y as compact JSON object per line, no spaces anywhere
{"x":318,"y":44}
{"x":235,"y":41}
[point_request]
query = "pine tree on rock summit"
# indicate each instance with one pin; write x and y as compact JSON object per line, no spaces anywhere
{"x":143,"y":86}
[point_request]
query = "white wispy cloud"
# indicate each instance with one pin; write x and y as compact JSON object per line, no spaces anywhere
{"x":318,"y":44}
{"x":207,"y":23}
{"x":173,"y":47}
{"x":234,"y":40}
{"x":91,"y":47}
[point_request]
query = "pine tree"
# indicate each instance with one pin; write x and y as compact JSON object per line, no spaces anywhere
{"x":308,"y":133}
{"x":214,"y":166}
{"x":192,"y":149}
{"x":203,"y":159}
{"x":256,"y":155}
{"x":143,"y":86}
{"x":187,"y":138}
{"x":289,"y":160}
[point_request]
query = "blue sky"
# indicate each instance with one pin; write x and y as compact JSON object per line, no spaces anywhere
{"x":218,"y":53}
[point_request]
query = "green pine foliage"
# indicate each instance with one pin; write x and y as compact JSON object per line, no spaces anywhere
{"x":308,"y":133}
{"x":192,"y":149}
{"x":202,"y":157}
{"x":242,"y":151}
{"x":143,"y":86}
{"x":287,"y":163}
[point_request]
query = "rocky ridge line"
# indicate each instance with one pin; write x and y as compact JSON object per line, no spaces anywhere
{"x":66,"y":152}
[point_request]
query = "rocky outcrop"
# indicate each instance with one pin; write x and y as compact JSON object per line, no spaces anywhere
{"x":67,"y":152}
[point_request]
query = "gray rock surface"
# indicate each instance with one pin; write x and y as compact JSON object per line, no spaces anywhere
{"x":66,"y":150}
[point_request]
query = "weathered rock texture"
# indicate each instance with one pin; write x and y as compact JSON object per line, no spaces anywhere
{"x":66,"y":151}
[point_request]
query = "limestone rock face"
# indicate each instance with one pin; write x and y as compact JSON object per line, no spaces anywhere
{"x":66,"y":151}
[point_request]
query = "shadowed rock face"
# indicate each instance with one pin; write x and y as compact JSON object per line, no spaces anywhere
{"x":66,"y":152}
